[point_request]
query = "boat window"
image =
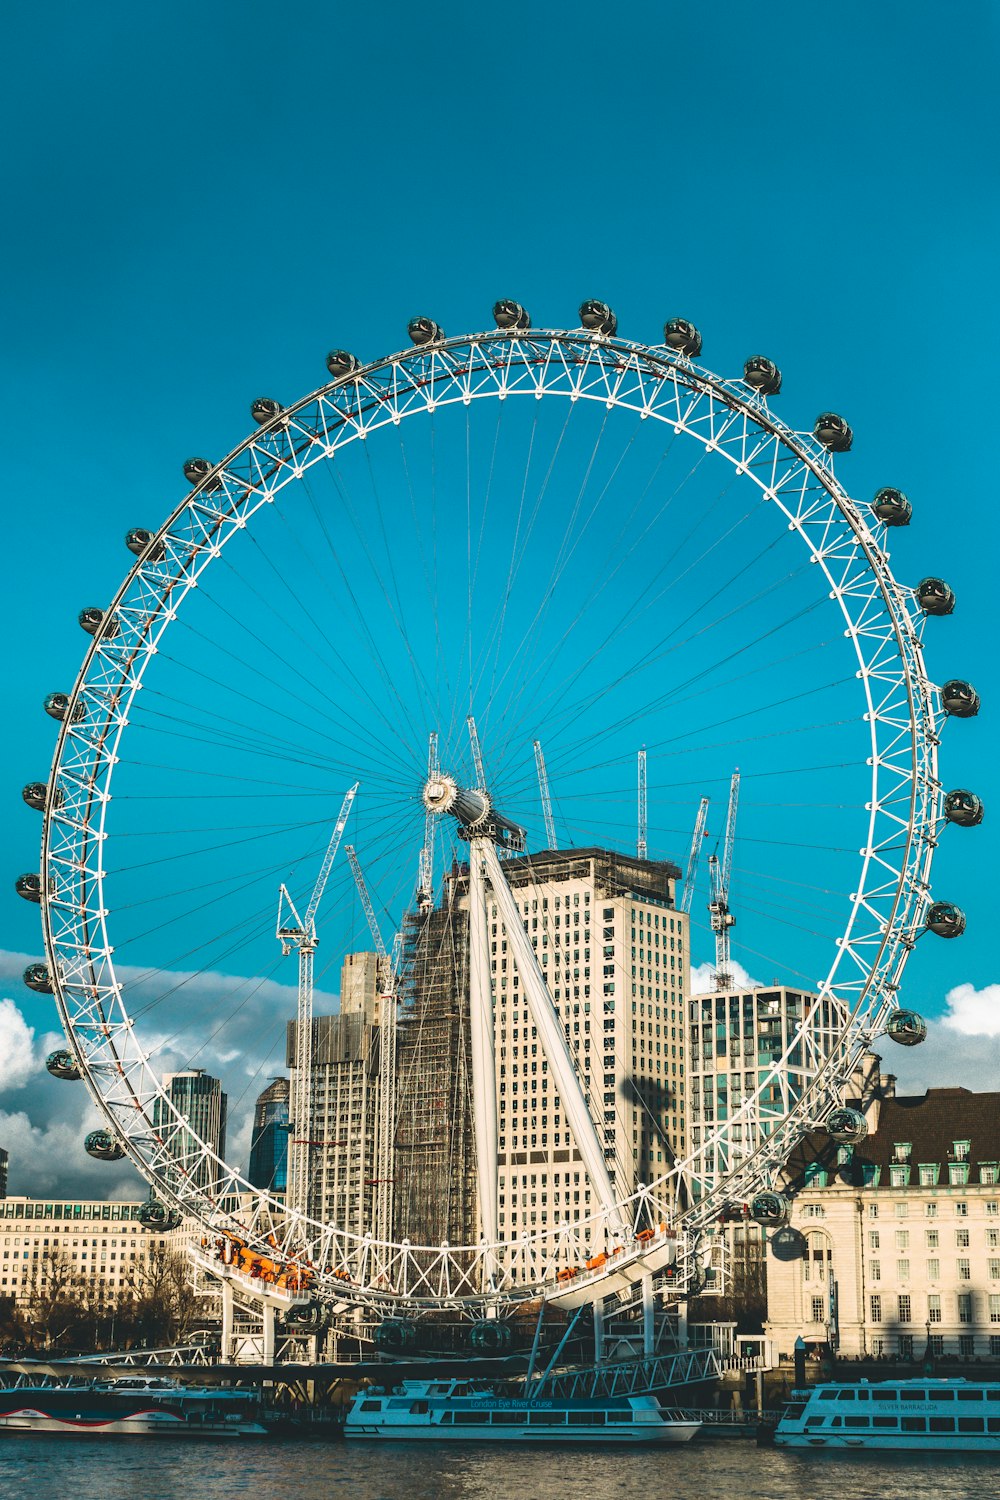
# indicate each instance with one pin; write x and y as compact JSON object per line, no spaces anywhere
{"x":881,"y":1395}
{"x":446,"y":1417}
{"x":862,"y":1394}
{"x":827,"y":1395}
{"x":469,"y":1418}
{"x":508,"y":1418}
{"x":942,"y":1424}
{"x":836,"y":1421}
{"x":856,"y":1421}
{"x":993,"y":1424}
{"x":845,"y":1395}
{"x":371,"y":1406}
{"x":547,"y":1418}
{"x":815,"y":1421}
{"x":970,"y":1395}
{"x":971,"y":1424}
{"x":581,"y":1418}
{"x":619,"y":1416}
{"x":914,"y":1424}
{"x":892,"y":1422}
{"x":913,"y":1396}
{"x":418,"y":1408}
{"x":943,"y":1395}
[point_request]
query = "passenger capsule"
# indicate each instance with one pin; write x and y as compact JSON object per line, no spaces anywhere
{"x":394,"y":1335}
{"x":491,"y":1336}
{"x":960,"y":699}
{"x":507,"y":314}
{"x":424,"y":331}
{"x":769,"y":1208}
{"x":964,"y":808}
{"x":92,"y":619}
{"x":56,"y":705}
{"x":340,"y":363}
{"x":38,"y":978}
{"x":763,"y":374}
{"x":683,"y":336}
{"x":945,"y":919}
{"x":848,"y":1127}
{"x":833,"y":433}
{"x":63,"y":1064}
{"x":154,"y":1215}
{"x":197,"y":471}
{"x":29,"y":887}
{"x":264,"y":410}
{"x":892,"y":507}
{"x":143,"y":542}
{"x":102,"y":1145}
{"x":36,"y":795}
{"x":906,"y":1027}
{"x":598,"y":317}
{"x":934,"y":596}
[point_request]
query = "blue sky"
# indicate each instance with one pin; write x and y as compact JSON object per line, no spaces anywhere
{"x":202,"y":200}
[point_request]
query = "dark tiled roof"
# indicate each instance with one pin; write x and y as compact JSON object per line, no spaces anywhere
{"x":931,"y":1123}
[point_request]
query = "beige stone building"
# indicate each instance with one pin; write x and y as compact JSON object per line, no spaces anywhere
{"x":894,"y":1243}
{"x":614,"y":953}
{"x":100,"y":1245}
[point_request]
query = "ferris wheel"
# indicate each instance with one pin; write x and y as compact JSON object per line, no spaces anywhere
{"x":385,"y":601}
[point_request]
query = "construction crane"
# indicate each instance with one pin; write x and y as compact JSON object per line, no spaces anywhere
{"x":425,"y":880}
{"x":477,"y":754}
{"x":640,"y":846}
{"x":720,"y":874}
{"x":386,"y":1132}
{"x":543,"y":787}
{"x":694,"y":855}
{"x":293,"y":931}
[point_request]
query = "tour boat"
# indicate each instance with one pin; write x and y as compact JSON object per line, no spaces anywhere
{"x":457,"y":1409}
{"x":925,"y":1415}
{"x":133,"y":1405}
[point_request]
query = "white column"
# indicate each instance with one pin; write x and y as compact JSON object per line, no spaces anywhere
{"x":682,"y":1324}
{"x":484,"y":1079}
{"x":267,"y":1349}
{"x":227,"y":1321}
{"x":550,"y":1034}
{"x":647,"y":1315}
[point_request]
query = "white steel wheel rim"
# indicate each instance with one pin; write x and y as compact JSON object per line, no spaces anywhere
{"x":881,"y":619}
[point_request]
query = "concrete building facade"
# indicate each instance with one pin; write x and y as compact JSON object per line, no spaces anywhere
{"x":894,"y":1244}
{"x":99,"y":1247}
{"x":614,"y":953}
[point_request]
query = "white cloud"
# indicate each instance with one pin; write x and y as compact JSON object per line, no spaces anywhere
{"x":703,"y":978}
{"x":973,"y":1012}
{"x":17,"y":1047}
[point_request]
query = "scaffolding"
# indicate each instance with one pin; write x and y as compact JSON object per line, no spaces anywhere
{"x":435,"y":1165}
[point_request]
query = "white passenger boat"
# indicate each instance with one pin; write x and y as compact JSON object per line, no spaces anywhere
{"x":134,"y":1405}
{"x":458,"y":1409}
{"x":926,"y":1415}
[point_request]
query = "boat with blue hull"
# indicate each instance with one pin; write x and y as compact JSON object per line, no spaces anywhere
{"x":450,"y":1410}
{"x":925,"y":1416}
{"x":128,"y":1407}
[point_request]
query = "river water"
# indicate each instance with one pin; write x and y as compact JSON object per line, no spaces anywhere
{"x":68,"y":1468}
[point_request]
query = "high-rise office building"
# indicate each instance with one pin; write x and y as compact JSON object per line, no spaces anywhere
{"x":269,"y":1143}
{"x":198,"y":1098}
{"x":734,"y":1039}
{"x":614,"y":953}
{"x":343,"y":1093}
{"x":4,"y":1164}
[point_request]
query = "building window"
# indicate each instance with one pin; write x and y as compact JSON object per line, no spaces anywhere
{"x":994,"y":1307}
{"x":966,"y":1345}
{"x":905,"y":1342}
{"x":958,"y":1173}
{"x":931,"y":1238}
{"x":965,"y":1307}
{"x":876,"y":1309}
{"x":873,"y":1239}
{"x":962,"y":1209}
{"x":875,"y":1270}
{"x":960,"y":1150}
{"x":934,"y":1270}
{"x":964,"y":1271}
{"x":928,"y":1173}
{"x":899,"y":1176}
{"x":817,"y":1309}
{"x":901,"y":1150}
{"x":930,"y":1210}
{"x":902,"y":1239}
{"x":934,"y":1309}
{"x":987,"y":1173}
{"x":902,"y":1270}
{"x":962,"y":1239}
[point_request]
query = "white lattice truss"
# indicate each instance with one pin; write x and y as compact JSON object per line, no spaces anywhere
{"x":902,"y":708}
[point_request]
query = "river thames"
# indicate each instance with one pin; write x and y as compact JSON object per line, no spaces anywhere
{"x":152,"y":1469}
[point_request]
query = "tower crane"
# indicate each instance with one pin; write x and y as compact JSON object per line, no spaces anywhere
{"x":694,"y":855}
{"x":297,"y":932}
{"x":543,"y":787}
{"x":640,"y":847}
{"x":388,"y":973}
{"x":720,"y":874}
